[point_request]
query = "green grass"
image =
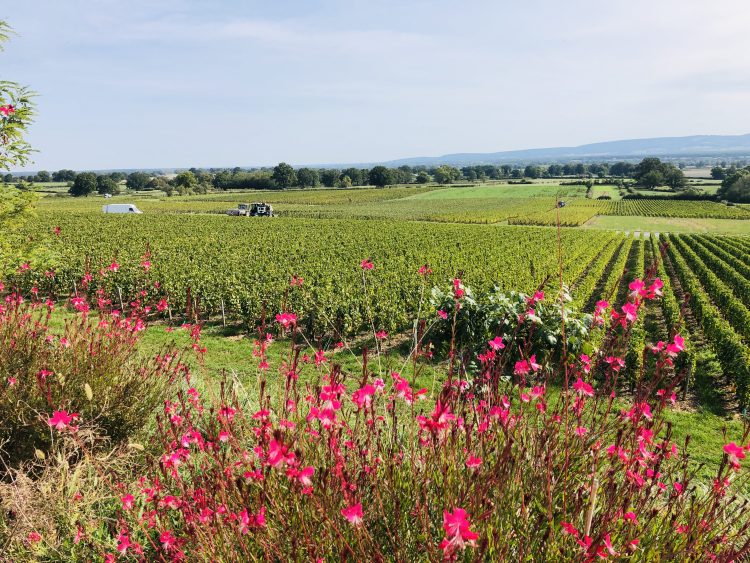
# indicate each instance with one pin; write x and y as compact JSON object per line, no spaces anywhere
{"x":493,"y":191}
{"x":669,"y":224}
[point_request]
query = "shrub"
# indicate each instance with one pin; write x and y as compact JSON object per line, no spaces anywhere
{"x":89,"y":367}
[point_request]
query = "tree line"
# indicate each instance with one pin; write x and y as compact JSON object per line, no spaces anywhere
{"x":649,"y":173}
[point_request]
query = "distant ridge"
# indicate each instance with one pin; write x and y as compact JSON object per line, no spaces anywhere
{"x":676,"y":147}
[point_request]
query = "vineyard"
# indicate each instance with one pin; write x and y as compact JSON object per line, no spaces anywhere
{"x":499,"y":204}
{"x":245,"y":267}
{"x":209,"y":264}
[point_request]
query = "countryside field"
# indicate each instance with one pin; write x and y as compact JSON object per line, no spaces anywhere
{"x":408,"y":283}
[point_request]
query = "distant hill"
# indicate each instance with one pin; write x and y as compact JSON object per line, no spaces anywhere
{"x":692,"y":146}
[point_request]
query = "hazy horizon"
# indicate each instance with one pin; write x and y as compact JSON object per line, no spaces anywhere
{"x":193,"y":83}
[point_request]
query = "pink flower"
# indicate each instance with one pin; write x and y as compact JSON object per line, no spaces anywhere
{"x":353,"y":513}
{"x":442,"y":314}
{"x":127,"y":501}
{"x":381,"y":335}
{"x":581,"y":431}
{"x":608,"y":547}
{"x":34,"y":537}
{"x":113,"y":267}
{"x":630,"y":311}
{"x":60,"y":420}
{"x":458,"y":533}
{"x":458,"y":288}
{"x":636,"y":287}
{"x":305,"y":476}
{"x":568,"y":528}
{"x":677,"y":347}
{"x":6,"y":111}
{"x":583,"y":388}
{"x":522,"y":367}
{"x":496,"y":343}
{"x":473,"y":462}
{"x":286,"y":319}
{"x":630,"y":517}
{"x":532,"y":362}
{"x":735,"y":453}
{"x":366,"y":264}
{"x":363,"y":397}
{"x":168,"y":541}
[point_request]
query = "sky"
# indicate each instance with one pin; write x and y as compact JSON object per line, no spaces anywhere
{"x":179,"y":83}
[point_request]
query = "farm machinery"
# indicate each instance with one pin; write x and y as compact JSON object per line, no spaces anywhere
{"x":257,"y":209}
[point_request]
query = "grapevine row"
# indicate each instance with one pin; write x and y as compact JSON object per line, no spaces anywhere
{"x":732,"y":353}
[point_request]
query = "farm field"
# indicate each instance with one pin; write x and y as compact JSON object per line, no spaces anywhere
{"x":634,"y":223}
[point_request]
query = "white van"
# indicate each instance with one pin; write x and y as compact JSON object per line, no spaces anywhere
{"x":120,"y":208}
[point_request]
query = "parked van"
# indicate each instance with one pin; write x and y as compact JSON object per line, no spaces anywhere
{"x":120,"y":208}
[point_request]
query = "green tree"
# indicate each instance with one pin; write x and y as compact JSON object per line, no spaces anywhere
{"x":64,"y":175}
{"x":738,"y":190}
{"x":8,"y":178}
{"x":532,"y":171}
{"x":185,"y":181}
{"x":718,"y":173}
{"x":84,"y":184}
{"x":674,"y":177}
{"x":380,"y":176}
{"x":345,"y":182}
{"x":284,"y":175}
{"x":308,"y":178}
{"x":329,"y":177}
{"x":106,"y":185}
{"x":446,"y":174}
{"x":622,"y":169}
{"x":137,"y":181}
{"x":160,"y":183}
{"x":358,"y":176}
{"x":423,"y":177}
{"x":43,"y":176}
{"x":651,"y":179}
{"x":16,"y":114}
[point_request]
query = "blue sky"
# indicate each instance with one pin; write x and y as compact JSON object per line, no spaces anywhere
{"x":172,"y":83}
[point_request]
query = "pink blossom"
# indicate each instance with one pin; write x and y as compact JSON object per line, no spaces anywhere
{"x":583,"y":388}
{"x":735,"y":454}
{"x":496,"y":343}
{"x":127,"y":501}
{"x":458,"y":533}
{"x":60,"y":420}
{"x":366,"y":264}
{"x":473,"y":462}
{"x":286,"y":319}
{"x":353,"y":514}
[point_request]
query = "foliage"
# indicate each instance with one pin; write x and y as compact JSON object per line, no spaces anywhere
{"x":249,"y":279}
{"x":380,"y":176}
{"x":736,"y":187}
{"x":307,"y":178}
{"x":521,"y":320}
{"x":284,"y":175}
{"x":84,"y":184}
{"x":106,"y":185}
{"x":90,"y":367}
{"x":16,"y":114}
{"x":137,"y":181}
